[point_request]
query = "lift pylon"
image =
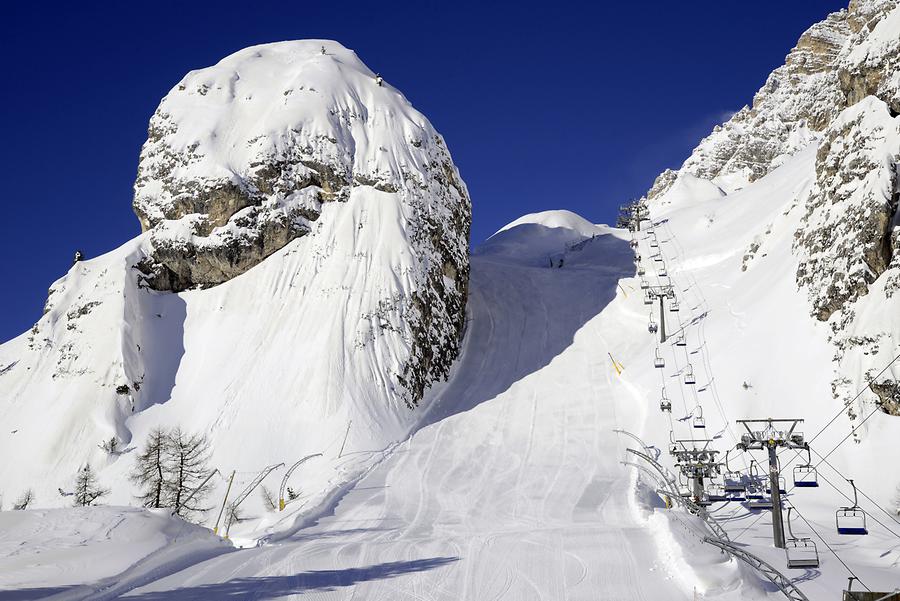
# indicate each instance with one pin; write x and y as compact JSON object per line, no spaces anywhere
{"x":770,"y":435}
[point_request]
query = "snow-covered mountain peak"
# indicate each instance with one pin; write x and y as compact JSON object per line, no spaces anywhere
{"x":241,"y":156}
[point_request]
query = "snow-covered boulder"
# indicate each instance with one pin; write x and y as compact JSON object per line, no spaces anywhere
{"x":241,"y":156}
{"x":304,"y":267}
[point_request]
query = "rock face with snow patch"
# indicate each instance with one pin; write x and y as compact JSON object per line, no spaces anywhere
{"x":241,"y":157}
{"x":839,"y":90}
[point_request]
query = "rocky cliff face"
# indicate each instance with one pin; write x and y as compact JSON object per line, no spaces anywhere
{"x":839,"y":90}
{"x":241,"y":157}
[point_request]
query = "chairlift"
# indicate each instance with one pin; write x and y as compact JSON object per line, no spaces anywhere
{"x":637,"y":258}
{"x":648,"y":298}
{"x":662,"y":272}
{"x":851,"y":520}
{"x":733,"y":480}
{"x":781,"y":486}
{"x":806,"y":476}
{"x":759,"y":502}
{"x":665,"y":404}
{"x":658,"y":258}
{"x":699,"y":422}
{"x":703,"y":500}
{"x":674,"y":307}
{"x":654,"y":243}
{"x":717,"y":493}
{"x":633,"y":243}
{"x":680,"y":341}
{"x":801,"y":553}
{"x":658,"y":361}
{"x":641,"y":270}
{"x":754,"y":490}
{"x":652,"y":327}
{"x":645,"y":285}
{"x":689,"y":375}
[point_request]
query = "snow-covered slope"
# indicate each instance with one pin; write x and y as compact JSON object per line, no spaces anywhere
{"x":352,"y":310}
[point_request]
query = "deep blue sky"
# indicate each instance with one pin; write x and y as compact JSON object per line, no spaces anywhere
{"x":544,"y":105}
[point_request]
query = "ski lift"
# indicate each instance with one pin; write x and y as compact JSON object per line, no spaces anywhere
{"x":699,"y":422}
{"x":663,"y":273}
{"x":760,"y":502}
{"x":641,"y":270}
{"x":633,"y":243}
{"x":648,"y":298}
{"x":652,"y":327}
{"x":781,"y":487}
{"x":703,"y":500}
{"x":637,"y":258}
{"x":680,"y":341}
{"x":753,"y":488}
{"x":806,"y":476}
{"x":654,"y":243}
{"x":674,"y":307}
{"x":644,"y":284}
{"x":658,"y":361}
{"x":732,"y":479}
{"x":717,"y":493}
{"x":800,"y":552}
{"x":851,"y":520}
{"x":664,"y":403}
{"x":658,"y":257}
{"x":689,"y":375}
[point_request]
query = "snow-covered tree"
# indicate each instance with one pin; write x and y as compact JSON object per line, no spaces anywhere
{"x":87,"y":490}
{"x":268,"y":498}
{"x":149,"y":470}
{"x":24,"y":500}
{"x":111,"y":445}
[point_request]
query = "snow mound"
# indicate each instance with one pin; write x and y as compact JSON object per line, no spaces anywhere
{"x":74,"y":552}
{"x":690,"y":188}
{"x":559,"y":218}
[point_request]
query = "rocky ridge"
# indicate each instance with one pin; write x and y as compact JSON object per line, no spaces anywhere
{"x":839,"y":89}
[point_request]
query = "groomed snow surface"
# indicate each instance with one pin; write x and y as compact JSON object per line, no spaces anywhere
{"x":511,"y":485}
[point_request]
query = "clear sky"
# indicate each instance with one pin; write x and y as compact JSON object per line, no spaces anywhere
{"x":575,"y":105}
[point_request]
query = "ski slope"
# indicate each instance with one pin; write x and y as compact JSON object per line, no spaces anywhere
{"x":513,"y":488}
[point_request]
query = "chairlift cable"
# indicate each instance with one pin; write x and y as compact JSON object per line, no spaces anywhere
{"x":825,"y":542}
{"x":838,"y":472}
{"x":840,"y":492}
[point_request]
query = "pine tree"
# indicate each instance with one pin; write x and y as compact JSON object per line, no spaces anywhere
{"x":86,"y":488}
{"x":24,"y":500}
{"x":187,"y":461}
{"x":149,"y":469}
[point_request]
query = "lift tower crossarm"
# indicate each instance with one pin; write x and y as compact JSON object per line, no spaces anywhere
{"x":662,"y":293}
{"x":773,"y":434}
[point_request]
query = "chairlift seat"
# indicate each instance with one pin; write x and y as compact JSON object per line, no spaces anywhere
{"x":658,"y":362}
{"x":806,"y":476}
{"x":689,"y":376}
{"x":645,"y":284}
{"x":699,"y":422}
{"x":680,"y":341}
{"x":663,"y":273}
{"x":851,"y":520}
{"x":652,"y":327}
{"x":759,"y":503}
{"x":801,"y":553}
{"x":781,"y":486}
{"x":665,"y":405}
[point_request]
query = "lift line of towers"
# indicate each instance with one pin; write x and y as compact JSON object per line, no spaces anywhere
{"x":703,"y":479}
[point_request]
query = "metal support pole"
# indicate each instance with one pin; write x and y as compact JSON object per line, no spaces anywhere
{"x":698,"y":489}
{"x":347,"y":433}
{"x":225,"y":500}
{"x":662,"y":319}
{"x":777,"y":523}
